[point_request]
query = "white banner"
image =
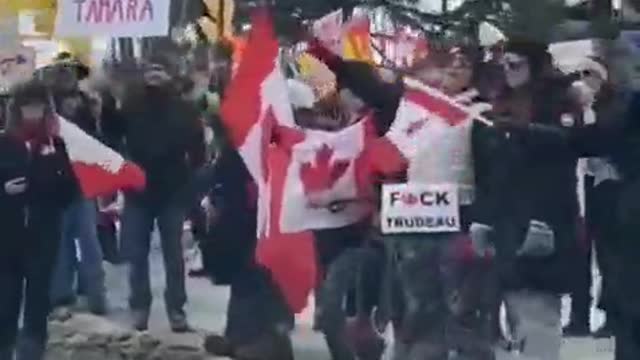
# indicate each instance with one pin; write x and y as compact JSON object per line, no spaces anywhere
{"x":112,"y":18}
{"x":16,"y":65}
{"x":419,"y":208}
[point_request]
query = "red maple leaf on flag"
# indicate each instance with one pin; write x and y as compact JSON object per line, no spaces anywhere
{"x":324,"y":174}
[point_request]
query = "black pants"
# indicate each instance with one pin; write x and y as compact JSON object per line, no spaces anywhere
{"x":330,"y":244}
{"x":256,"y":307}
{"x":25,"y":278}
{"x":601,"y":224}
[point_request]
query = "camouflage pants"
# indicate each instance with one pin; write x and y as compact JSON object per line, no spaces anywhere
{"x":444,"y":307}
{"x":350,"y":275}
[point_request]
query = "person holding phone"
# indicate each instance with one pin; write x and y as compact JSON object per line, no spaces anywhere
{"x":36,"y":185}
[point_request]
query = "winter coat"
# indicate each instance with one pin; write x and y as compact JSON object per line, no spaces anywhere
{"x":165,"y":137}
{"x":32,"y":220}
{"x":230,"y":245}
{"x":526,"y":174}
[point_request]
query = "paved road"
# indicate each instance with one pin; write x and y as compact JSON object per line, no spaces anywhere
{"x":207,"y":305}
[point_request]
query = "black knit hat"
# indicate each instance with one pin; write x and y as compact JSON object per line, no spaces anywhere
{"x":68,"y":60}
{"x":536,"y":52}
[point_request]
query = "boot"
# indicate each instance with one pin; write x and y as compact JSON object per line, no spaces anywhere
{"x":140,"y":320}
{"x":218,"y":345}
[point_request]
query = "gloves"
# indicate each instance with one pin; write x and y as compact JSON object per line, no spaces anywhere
{"x":16,"y":186}
{"x":539,"y":241}
{"x":481,"y":243}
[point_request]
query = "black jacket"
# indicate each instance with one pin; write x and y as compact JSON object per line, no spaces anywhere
{"x":32,"y":219}
{"x":81,"y":115}
{"x":231,"y":244}
{"x":529,"y":174}
{"x":165,"y":137}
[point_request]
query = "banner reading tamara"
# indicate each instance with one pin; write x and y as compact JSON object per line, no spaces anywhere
{"x":419,"y":208}
{"x":112,"y":18}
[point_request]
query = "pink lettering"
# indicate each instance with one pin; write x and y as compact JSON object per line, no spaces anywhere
{"x":116,"y":11}
{"x":146,"y":13}
{"x":131,"y":10}
{"x":113,"y":11}
{"x":95,"y":12}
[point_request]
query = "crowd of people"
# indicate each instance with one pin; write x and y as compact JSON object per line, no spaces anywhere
{"x":527,"y":237}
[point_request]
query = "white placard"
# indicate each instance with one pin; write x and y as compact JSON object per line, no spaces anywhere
{"x":112,"y":18}
{"x":419,"y":208}
{"x":9,"y":36}
{"x":16,"y":65}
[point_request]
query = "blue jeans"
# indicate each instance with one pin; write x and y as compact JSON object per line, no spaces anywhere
{"x":79,"y":223}
{"x":137,"y":226}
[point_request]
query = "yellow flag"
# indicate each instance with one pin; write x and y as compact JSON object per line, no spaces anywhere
{"x":317,"y":75}
{"x":45,"y":22}
{"x":218,"y":21}
{"x":18,"y":5}
{"x":357,"y":41}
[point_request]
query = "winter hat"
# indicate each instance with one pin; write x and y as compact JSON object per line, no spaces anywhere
{"x":489,"y":35}
{"x":67,"y":59}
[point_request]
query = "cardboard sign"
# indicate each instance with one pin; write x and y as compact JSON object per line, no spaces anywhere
{"x":419,"y":208}
{"x":112,"y":18}
{"x":16,"y":65}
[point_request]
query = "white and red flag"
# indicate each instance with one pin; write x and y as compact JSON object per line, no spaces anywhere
{"x":426,"y":112}
{"x":255,"y":102}
{"x":99,"y":169}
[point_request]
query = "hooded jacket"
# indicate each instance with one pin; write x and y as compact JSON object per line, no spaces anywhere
{"x":164,"y":135}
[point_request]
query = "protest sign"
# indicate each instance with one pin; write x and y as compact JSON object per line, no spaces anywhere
{"x":8,"y":30}
{"x":112,"y":18}
{"x":16,"y":65}
{"x":419,"y":208}
{"x":328,"y":29}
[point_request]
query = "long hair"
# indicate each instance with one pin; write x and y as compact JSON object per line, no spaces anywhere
{"x":31,"y":92}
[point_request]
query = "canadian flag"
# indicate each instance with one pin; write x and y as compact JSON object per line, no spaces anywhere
{"x":320,"y":189}
{"x":99,"y":169}
{"x":255,"y":102}
{"x":424,"y":109}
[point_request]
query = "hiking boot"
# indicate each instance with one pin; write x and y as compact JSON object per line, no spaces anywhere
{"x":218,"y":345}
{"x":140,"y":320}
{"x":99,"y":306}
{"x":178,"y":322}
